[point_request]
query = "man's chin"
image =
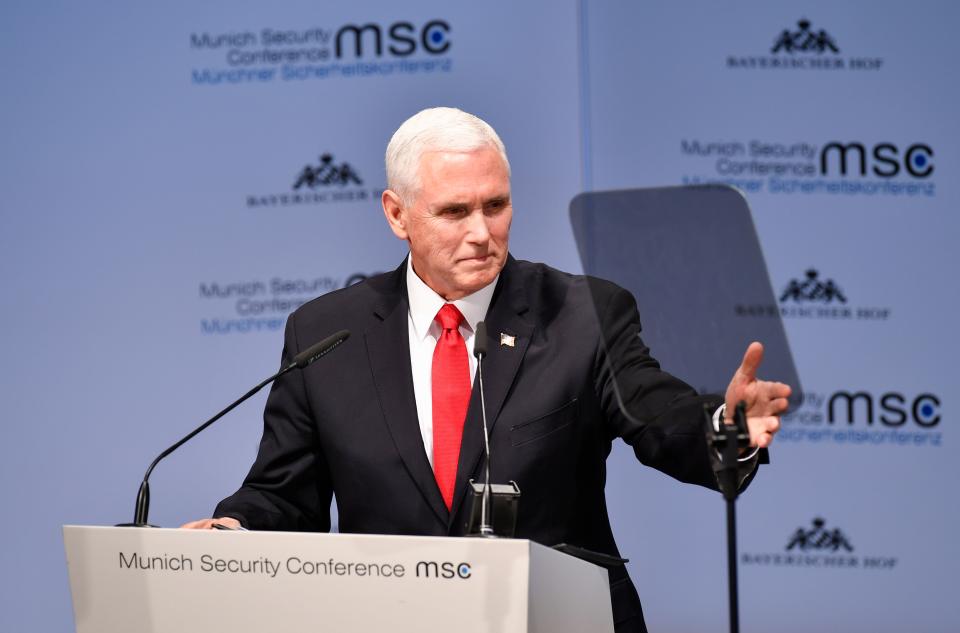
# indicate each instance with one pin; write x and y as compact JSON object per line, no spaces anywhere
{"x":474,"y":281}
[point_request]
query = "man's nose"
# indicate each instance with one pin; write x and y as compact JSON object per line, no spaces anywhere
{"x":477,"y":229}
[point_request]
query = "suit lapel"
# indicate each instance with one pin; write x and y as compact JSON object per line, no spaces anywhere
{"x":388,"y":349}
{"x":507,"y":315}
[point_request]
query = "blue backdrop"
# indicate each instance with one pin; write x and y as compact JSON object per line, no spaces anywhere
{"x":177,"y":178}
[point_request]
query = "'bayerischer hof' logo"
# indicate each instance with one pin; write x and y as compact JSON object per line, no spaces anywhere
{"x":819,"y":539}
{"x":324,"y":181}
{"x":812,"y":289}
{"x":325,"y":173}
{"x":814,"y":297}
{"x":804,"y":47}
{"x":804,"y":40}
{"x":819,"y":546}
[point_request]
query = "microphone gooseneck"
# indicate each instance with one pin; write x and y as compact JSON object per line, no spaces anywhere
{"x":480,"y":351}
{"x":301,"y":360}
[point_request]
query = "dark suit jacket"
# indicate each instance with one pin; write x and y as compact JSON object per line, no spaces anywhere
{"x":347,"y":425}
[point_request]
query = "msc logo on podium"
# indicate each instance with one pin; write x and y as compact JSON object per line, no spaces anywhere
{"x":445,"y":570}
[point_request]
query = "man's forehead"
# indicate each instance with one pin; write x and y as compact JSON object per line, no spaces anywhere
{"x":434,"y":158}
{"x":450,"y":177}
{"x":468,"y":191}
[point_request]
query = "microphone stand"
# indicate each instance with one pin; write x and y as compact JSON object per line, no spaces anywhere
{"x":724,"y":445}
{"x":506,"y":499}
{"x":486,"y":510}
{"x":142,"y":508}
{"x":301,"y":360}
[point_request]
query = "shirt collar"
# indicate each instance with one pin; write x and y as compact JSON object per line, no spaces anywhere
{"x":425,"y":303}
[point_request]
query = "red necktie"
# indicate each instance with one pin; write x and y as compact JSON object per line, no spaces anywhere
{"x":450,"y":379}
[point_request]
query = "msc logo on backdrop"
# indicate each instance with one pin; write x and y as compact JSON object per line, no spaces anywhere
{"x":861,"y":417}
{"x":402,"y":39}
{"x":883,"y":160}
{"x":819,"y":546}
{"x":804,"y":167}
{"x":326,"y":181}
{"x":356,"y":278}
{"x":262,"y":305}
{"x":803,"y":48}
{"x":804,"y":40}
{"x":309,"y":52}
{"x":399,"y":39}
{"x":894,"y":409}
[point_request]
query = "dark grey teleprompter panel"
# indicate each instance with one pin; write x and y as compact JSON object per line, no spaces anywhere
{"x":691,"y":257}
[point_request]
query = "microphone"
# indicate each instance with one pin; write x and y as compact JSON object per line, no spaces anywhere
{"x":480,"y":351}
{"x":480,"y":341}
{"x":301,"y":360}
{"x":316,"y":351}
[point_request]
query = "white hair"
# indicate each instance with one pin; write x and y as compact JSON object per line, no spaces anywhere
{"x":434,"y":130}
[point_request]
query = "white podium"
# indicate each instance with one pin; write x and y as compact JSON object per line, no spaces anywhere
{"x":165,"y":580}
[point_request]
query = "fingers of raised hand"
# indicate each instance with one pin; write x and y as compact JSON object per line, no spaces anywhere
{"x":762,"y":430}
{"x":770,"y":398}
{"x":780,"y":390}
{"x":778,"y":406}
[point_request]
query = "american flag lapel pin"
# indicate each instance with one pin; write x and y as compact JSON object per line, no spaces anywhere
{"x":507,"y":339}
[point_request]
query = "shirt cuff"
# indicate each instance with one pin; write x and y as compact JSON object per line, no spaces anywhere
{"x":716,"y":427}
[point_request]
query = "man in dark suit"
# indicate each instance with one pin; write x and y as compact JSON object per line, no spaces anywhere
{"x":392,"y":425}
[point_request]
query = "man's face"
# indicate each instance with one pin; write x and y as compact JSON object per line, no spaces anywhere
{"x":458,"y":223}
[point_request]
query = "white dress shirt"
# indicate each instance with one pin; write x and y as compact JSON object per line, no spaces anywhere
{"x":424,"y":332}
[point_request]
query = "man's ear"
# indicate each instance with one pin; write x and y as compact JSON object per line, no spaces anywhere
{"x":395,"y":212}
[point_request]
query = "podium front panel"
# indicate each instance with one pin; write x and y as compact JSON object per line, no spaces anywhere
{"x":168,"y":580}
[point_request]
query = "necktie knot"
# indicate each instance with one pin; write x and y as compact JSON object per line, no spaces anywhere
{"x":449,"y":317}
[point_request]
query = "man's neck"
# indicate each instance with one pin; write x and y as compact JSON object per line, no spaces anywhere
{"x":425,"y":302}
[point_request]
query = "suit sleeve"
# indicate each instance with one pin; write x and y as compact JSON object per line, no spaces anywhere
{"x":657,"y":414}
{"x":288,"y":486}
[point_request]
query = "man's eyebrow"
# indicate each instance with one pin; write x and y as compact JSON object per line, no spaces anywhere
{"x":447,"y":207}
